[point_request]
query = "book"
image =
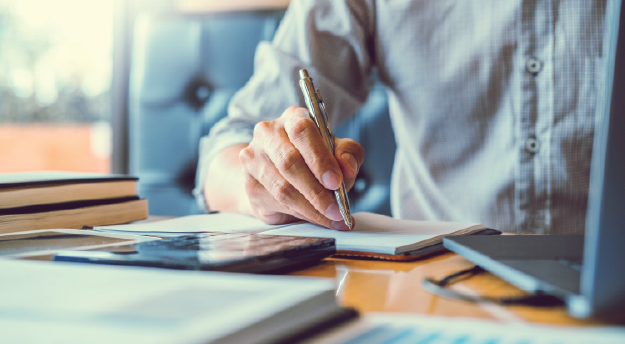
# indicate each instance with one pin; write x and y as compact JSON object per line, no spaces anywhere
{"x":73,"y":215}
{"x":48,"y":302}
{"x":374,"y":236}
{"x":45,"y":187}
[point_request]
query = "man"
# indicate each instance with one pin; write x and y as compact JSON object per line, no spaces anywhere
{"x":492,"y":105}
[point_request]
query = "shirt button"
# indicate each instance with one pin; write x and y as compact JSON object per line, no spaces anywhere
{"x":533,"y":65}
{"x":532,"y":145}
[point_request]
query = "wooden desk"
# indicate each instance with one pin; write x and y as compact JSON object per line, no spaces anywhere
{"x":382,"y":286}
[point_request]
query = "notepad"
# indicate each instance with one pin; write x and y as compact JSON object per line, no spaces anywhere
{"x":374,"y":236}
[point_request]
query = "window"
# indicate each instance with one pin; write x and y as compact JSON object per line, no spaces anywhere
{"x":55,"y":77}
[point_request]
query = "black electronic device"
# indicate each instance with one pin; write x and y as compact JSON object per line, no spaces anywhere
{"x":240,"y":252}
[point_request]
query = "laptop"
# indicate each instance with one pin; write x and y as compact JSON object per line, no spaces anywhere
{"x":584,"y":271}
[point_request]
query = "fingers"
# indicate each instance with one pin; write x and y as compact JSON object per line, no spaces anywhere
{"x":350,"y":156}
{"x":305,"y":162}
{"x":270,"y":211}
{"x":304,"y":134}
{"x":289,"y":171}
{"x":269,"y":191}
{"x":263,"y":205}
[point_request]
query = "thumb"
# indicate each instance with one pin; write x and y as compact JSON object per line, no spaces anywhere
{"x":350,"y":156}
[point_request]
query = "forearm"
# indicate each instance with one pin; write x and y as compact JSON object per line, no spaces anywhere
{"x":225,"y":189}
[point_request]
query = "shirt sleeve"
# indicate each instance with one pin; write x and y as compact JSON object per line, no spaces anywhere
{"x":332,"y":39}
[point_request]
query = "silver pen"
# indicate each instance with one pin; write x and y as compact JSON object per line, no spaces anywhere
{"x":317,"y":111}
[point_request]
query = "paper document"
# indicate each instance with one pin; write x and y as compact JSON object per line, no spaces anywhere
{"x":378,"y":233}
{"x":222,"y":222}
{"x":372,"y":233}
{"x":44,"y":302}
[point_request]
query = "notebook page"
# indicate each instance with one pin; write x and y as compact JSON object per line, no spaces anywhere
{"x":222,"y":222}
{"x":376,"y":233}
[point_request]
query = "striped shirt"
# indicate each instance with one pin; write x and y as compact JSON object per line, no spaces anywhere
{"x":492,"y":102}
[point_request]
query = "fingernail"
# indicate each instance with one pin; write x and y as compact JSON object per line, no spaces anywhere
{"x":339,"y":225}
{"x":351,"y":161}
{"x":331,"y":180}
{"x":333,"y":212}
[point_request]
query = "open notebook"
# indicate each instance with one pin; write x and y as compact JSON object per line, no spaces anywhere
{"x":374,"y":236}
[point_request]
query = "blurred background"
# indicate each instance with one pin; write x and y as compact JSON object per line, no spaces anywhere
{"x":55,"y":79}
{"x":131,"y":86}
{"x":57,"y":73}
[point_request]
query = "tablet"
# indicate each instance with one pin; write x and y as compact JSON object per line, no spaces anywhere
{"x":228,"y":252}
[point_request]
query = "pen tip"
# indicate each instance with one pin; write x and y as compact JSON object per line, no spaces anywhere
{"x":303,"y":74}
{"x":349,"y":223}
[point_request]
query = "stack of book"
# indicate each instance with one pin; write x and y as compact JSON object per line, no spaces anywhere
{"x":46,"y":200}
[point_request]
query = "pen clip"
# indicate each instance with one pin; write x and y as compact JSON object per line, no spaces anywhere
{"x":322,"y":107}
{"x":308,"y":100}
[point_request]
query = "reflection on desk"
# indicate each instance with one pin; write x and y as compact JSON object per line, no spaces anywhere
{"x":379,"y":286}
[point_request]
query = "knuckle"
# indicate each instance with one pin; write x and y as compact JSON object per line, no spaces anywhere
{"x":350,"y":144}
{"x":262,"y":128}
{"x":282,"y":191}
{"x":288,"y":160}
{"x":320,"y":162}
{"x":246,"y":155}
{"x":295,"y":111}
{"x":319,"y":197}
{"x":352,"y":147}
{"x":299,"y":126}
{"x":291,"y":110}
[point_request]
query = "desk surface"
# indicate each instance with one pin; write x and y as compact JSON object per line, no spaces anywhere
{"x":385,"y":286}
{"x":381,"y":286}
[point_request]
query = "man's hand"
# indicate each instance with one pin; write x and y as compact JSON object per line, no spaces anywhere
{"x":288,"y":171}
